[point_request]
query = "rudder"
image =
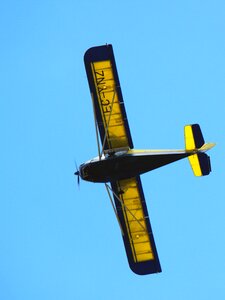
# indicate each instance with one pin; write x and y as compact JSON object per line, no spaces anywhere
{"x":200,"y":162}
{"x":193,"y":137}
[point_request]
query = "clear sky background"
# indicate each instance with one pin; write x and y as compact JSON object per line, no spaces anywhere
{"x":58,"y":241}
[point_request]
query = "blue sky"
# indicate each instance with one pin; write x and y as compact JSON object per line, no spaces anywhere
{"x":61,"y":242}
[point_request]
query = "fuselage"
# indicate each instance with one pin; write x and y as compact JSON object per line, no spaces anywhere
{"x":127,"y":164}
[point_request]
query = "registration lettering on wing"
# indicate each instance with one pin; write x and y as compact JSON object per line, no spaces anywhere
{"x":109,"y":104}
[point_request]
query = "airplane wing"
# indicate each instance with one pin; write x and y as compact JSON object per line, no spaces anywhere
{"x":137,"y":233}
{"x":107,"y":98}
{"x":111,"y":119}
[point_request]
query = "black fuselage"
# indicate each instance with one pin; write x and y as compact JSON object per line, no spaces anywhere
{"x":114,"y":167}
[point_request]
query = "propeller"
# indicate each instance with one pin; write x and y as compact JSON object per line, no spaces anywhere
{"x":77,"y":173}
{"x":78,"y":177}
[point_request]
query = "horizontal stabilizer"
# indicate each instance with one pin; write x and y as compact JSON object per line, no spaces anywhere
{"x":207,"y":147}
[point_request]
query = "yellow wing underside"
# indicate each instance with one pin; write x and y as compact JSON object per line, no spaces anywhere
{"x":113,"y":128}
{"x":135,"y":220}
{"x":116,"y":137}
{"x":110,"y":107}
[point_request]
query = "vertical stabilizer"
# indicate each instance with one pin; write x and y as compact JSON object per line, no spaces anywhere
{"x":200,"y":162}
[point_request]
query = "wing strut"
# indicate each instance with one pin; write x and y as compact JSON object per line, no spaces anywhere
{"x":123,"y":205}
{"x":100,"y":155}
{"x":107,"y":126}
{"x":96,"y":128}
{"x":114,"y":208}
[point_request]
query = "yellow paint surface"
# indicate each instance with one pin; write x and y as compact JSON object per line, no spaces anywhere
{"x":109,"y":104}
{"x":135,"y":220}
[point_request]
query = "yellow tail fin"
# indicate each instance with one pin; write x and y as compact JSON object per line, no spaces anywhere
{"x":200,"y":162}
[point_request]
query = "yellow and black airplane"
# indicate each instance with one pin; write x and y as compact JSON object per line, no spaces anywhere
{"x":119,"y":166}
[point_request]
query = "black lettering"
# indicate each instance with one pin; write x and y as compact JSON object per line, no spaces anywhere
{"x":100,"y":74}
{"x":99,"y":80}
{"x":106,"y":109}
{"x":105,"y":102}
{"x":100,"y":89}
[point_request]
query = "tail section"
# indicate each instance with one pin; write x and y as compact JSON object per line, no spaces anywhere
{"x":200,"y":164}
{"x":194,"y":142}
{"x":193,"y":137}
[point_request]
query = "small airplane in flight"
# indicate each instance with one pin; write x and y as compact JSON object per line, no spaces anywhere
{"x":119,"y":165}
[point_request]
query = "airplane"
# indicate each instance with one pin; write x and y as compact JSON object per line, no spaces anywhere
{"x":119,"y":166}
